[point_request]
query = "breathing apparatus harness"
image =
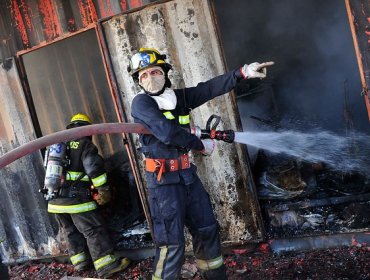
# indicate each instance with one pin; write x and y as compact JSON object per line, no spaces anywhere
{"x":55,"y":162}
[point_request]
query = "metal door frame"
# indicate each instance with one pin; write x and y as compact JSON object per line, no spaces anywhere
{"x":114,"y":91}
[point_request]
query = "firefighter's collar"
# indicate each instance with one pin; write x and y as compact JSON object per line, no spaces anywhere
{"x":167,"y":100}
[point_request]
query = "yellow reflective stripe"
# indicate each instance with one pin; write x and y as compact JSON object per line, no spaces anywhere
{"x":160,"y":264}
{"x":184,"y":119}
{"x":104,"y":261}
{"x":100,"y":180}
{"x":168,"y":115}
{"x":155,"y":277}
{"x":210,"y":264}
{"x":73,"y":176}
{"x":71,"y":209}
{"x":76,"y":259}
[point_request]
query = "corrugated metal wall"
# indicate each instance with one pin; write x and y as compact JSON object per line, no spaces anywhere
{"x":28,"y":23}
{"x":68,"y":77}
{"x":26,"y":229}
{"x":185,"y":30}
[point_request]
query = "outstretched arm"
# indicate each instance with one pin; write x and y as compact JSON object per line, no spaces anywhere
{"x":222,"y":84}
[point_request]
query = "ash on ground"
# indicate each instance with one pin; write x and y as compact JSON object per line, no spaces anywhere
{"x":260,"y":264}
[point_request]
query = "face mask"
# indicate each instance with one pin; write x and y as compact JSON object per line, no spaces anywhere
{"x":153,"y":84}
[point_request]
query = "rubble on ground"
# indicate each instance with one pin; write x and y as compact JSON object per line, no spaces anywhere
{"x":338,"y":263}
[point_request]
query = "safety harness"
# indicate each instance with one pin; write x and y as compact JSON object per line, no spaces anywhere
{"x":166,"y":165}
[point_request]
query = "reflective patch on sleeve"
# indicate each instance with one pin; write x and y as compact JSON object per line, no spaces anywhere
{"x":73,"y":176}
{"x":100,"y":180}
{"x":184,"y":119}
{"x":168,"y":115}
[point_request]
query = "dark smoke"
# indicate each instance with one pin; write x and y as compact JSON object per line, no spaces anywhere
{"x":315,"y":82}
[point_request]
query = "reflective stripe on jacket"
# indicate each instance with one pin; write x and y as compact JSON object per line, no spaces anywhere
{"x":72,"y":209}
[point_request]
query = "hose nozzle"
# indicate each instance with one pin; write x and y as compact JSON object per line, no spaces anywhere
{"x":210,"y":132}
{"x":227,"y":136}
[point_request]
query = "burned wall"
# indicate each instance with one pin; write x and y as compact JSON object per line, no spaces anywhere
{"x":28,"y":23}
{"x":185,"y":30}
{"x":26,"y":229}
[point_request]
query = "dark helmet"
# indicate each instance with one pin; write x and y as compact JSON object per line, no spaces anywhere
{"x":145,"y":58}
{"x":79,"y":119}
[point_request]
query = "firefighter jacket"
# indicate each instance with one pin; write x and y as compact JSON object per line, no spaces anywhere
{"x":169,"y":138}
{"x":86,"y":169}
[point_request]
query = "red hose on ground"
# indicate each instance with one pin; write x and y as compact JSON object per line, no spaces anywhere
{"x":70,"y":134}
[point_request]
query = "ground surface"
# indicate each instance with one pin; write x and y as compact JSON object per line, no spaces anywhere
{"x":338,"y":264}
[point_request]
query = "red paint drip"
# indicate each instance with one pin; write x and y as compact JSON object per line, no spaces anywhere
{"x":17,"y":16}
{"x":26,"y":16}
{"x":93,"y":14}
{"x":83,"y":13}
{"x":71,"y":25}
{"x":136,"y":3}
{"x":103,"y":13}
{"x":51,"y":22}
{"x":87,"y":12}
{"x":123,"y":5}
{"x":109,"y":7}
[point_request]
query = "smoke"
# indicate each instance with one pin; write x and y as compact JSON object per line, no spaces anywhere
{"x":315,"y":81}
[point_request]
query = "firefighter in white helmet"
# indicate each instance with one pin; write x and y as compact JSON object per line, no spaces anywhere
{"x":76,"y":211}
{"x":176,"y":195}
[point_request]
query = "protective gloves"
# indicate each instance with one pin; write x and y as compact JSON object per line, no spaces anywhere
{"x":209,"y":146}
{"x":255,"y":70}
{"x":103,"y":196}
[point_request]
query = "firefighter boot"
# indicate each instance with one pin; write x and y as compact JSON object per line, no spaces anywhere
{"x":84,"y":266}
{"x":214,"y":274}
{"x":115,"y":267}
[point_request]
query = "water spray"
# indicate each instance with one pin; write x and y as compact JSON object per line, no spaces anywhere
{"x":316,"y":146}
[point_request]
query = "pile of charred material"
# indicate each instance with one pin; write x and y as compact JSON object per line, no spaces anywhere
{"x":300,"y":198}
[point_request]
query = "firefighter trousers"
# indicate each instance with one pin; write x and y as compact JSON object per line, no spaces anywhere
{"x":86,"y":236}
{"x":172,"y":207}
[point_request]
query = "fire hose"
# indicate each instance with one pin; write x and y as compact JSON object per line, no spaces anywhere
{"x":70,"y":134}
{"x":107,"y":128}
